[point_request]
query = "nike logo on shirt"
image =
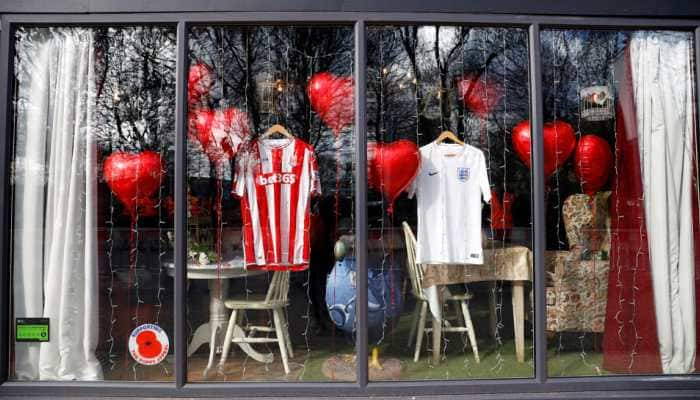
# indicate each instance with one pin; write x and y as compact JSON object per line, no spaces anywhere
{"x":432,"y":173}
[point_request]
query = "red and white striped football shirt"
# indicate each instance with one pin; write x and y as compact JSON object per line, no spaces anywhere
{"x":275,"y":179}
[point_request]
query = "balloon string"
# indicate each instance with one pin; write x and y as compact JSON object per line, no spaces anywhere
{"x":336,"y":212}
{"x":337,"y":181}
{"x":219,"y":225}
{"x":132,"y":252}
{"x":132,"y":268}
{"x":392,"y":293}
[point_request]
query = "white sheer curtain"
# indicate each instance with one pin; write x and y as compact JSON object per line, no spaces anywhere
{"x":663,"y":93}
{"x":55,"y":229}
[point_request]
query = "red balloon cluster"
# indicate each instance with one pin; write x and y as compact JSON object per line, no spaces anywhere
{"x":134,"y":178}
{"x":592,"y":163}
{"x":592,"y":159}
{"x":559,"y":141}
{"x":331,"y":97}
{"x":392,"y":167}
{"x":481,"y":95}
{"x":220,"y":132}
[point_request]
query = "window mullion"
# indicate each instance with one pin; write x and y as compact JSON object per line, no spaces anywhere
{"x":361,"y":202}
{"x":538,"y":203}
{"x":5,"y":232}
{"x":180,"y":306}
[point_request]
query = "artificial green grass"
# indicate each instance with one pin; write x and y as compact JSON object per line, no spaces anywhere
{"x":497,"y":362}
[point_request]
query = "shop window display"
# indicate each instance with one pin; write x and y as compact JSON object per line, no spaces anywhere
{"x":270,"y":158}
{"x":92,"y":176}
{"x":450,"y":260}
{"x":270,"y":164}
{"x":622,"y":207}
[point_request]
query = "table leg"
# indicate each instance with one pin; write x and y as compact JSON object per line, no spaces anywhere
{"x":519,"y":319}
{"x":200,"y":337}
{"x":437,"y":331}
{"x":218,"y":318}
{"x":493,"y":319}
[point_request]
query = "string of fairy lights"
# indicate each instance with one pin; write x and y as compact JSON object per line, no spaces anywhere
{"x":280,"y":87}
{"x":556,"y":46}
{"x":162,"y":222}
{"x":385,"y":71}
{"x":615,"y":236}
{"x":134,"y":241}
{"x":380,"y":136}
{"x":124,"y":39}
{"x":279,"y":90}
{"x":582,"y":271}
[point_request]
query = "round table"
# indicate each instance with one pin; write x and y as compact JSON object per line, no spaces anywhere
{"x":213,"y":332}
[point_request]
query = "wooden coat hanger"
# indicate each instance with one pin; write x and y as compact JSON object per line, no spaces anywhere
{"x":448,"y":135}
{"x":276,"y":128}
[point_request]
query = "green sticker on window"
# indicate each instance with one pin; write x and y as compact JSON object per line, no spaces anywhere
{"x":32,"y":330}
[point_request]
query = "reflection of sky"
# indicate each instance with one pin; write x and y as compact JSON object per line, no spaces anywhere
{"x":449,"y":35}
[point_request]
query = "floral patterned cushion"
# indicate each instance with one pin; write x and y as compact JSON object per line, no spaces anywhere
{"x":587,"y":221}
{"x":576,"y":292}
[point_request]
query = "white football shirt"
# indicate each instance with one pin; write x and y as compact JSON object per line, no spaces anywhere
{"x":449,"y":187}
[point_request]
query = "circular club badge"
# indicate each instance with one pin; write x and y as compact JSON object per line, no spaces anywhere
{"x":148,"y":344}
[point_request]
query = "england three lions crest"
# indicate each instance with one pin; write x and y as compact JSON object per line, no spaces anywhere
{"x":463,"y":174}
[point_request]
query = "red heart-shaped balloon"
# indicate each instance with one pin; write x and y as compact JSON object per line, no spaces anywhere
{"x":134,"y":178}
{"x":331,"y":97}
{"x":392,"y":167}
{"x":592,"y":163}
{"x":559,"y":141}
{"x":219,"y":132}
{"x":480,"y":94}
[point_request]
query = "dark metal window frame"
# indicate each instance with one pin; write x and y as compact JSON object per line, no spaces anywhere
{"x":539,"y":386}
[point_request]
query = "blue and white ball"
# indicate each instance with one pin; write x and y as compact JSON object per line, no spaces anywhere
{"x":384,"y":298}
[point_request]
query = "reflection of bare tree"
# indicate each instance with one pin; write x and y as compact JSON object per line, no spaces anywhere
{"x":135,"y":107}
{"x":413,"y":73}
{"x":265,"y":70}
{"x":573,"y":60}
{"x":443,"y":66}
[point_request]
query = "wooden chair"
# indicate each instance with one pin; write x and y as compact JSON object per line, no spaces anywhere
{"x":275,"y":301}
{"x":418,"y":327}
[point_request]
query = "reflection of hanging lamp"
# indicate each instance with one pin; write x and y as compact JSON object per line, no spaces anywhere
{"x":597,"y":103}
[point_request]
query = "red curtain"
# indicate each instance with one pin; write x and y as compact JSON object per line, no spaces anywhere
{"x":630,"y":344}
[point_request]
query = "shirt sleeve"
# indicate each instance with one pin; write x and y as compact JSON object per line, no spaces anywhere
{"x":484,"y":179}
{"x":238,"y":188}
{"x":315,"y":178}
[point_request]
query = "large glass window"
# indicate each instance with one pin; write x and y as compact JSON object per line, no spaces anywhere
{"x":271,"y":267}
{"x":92,"y":168}
{"x":270,"y":197}
{"x":449,"y":275}
{"x":622,"y":225}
